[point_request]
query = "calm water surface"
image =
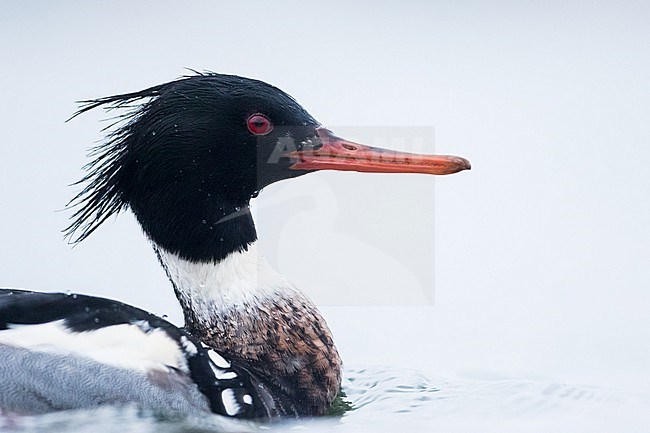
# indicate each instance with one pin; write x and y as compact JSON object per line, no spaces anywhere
{"x":395,"y":400}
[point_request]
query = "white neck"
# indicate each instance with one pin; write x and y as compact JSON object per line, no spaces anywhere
{"x":208,"y":289}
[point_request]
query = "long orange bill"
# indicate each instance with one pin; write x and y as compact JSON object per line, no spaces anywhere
{"x":339,"y":154}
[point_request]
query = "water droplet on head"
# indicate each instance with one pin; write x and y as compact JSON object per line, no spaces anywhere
{"x":153,"y":133}
{"x":164,"y":316}
{"x":96,"y":319}
{"x":204,"y":221}
{"x":68,"y":293}
{"x":74,"y":296}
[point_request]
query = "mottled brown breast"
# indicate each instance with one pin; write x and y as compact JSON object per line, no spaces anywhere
{"x":285,"y":340}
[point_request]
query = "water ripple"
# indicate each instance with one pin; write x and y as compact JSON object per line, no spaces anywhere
{"x":392,"y":399}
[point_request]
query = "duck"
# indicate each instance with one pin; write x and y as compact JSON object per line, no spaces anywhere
{"x":186,"y":158}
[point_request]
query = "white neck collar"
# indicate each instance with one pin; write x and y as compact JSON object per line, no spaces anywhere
{"x":208,"y":289}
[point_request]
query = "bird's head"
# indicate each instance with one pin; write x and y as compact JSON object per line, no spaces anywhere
{"x":194,"y":151}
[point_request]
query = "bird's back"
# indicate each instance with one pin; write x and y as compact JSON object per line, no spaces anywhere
{"x":65,"y":351}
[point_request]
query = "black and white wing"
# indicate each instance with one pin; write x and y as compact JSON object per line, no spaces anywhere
{"x":65,"y":351}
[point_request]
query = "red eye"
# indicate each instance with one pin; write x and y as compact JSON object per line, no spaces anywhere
{"x":259,"y":124}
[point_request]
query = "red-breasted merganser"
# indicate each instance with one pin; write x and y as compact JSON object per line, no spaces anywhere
{"x":187,"y":159}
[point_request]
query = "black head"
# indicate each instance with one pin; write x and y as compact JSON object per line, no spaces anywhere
{"x":188,"y":158}
{"x":190,"y":154}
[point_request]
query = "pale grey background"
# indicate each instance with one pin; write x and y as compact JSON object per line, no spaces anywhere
{"x":541,"y":250}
